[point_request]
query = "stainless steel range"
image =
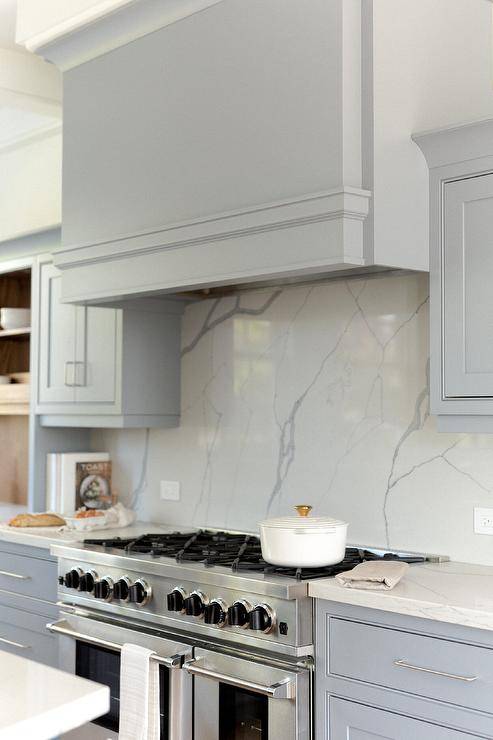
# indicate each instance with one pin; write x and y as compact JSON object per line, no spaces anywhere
{"x":233,"y":635}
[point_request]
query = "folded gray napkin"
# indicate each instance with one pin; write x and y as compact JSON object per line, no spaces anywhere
{"x":378,"y":576}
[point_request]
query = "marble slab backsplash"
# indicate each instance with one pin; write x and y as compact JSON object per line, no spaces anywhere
{"x":313,"y":394}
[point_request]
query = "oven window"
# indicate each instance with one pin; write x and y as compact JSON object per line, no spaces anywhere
{"x":243,"y":715}
{"x":102,"y":665}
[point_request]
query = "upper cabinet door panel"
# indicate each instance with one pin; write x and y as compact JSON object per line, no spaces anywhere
{"x":97,"y":355}
{"x":56,"y":341}
{"x":467,"y":261}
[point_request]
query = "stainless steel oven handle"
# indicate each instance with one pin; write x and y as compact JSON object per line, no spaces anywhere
{"x":284,"y":689}
{"x":61,"y":628}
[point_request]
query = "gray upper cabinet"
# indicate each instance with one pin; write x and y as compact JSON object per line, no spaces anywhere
{"x":467,"y":295}
{"x":78,"y":349}
{"x":109,"y":367}
{"x":461,"y":268}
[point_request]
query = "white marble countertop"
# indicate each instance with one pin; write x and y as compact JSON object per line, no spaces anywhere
{"x":459,"y":593}
{"x":46,"y":536}
{"x":41,"y":702}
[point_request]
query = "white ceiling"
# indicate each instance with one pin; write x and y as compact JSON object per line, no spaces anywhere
{"x":27,"y":110}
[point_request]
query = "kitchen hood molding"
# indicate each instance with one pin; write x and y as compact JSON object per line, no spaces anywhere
{"x":106,"y":25}
{"x":184,"y":256}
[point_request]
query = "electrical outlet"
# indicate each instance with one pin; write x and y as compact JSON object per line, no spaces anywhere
{"x":483,"y":521}
{"x":170,"y":490}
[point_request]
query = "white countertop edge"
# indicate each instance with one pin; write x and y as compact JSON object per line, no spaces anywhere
{"x":45,"y":537}
{"x":457,"y":593}
{"x":55,"y":721}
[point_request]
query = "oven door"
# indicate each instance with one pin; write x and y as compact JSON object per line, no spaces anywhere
{"x":246,"y":699}
{"x":90,"y":648}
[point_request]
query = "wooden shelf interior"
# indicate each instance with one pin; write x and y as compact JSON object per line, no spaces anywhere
{"x":15,"y":292}
{"x":14,"y":399}
{"x":18,"y":333}
{"x":14,"y":446}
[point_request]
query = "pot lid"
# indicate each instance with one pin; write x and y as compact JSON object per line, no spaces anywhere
{"x":303,"y":521}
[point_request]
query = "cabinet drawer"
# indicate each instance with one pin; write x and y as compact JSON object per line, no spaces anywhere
{"x":28,"y":576}
{"x":425,"y":666}
{"x":26,"y":635}
{"x":352,"y":721}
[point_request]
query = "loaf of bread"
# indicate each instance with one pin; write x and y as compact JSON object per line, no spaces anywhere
{"x":37,"y":520}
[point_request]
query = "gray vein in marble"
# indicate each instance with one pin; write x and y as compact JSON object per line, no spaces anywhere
{"x":407,"y":321}
{"x":237,"y":310}
{"x":466,"y":474}
{"x":207,"y":474}
{"x":287,"y":447}
{"x":284,"y":338}
{"x":392,"y":484}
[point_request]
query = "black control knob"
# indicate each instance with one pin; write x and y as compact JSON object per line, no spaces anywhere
{"x":71,"y":579}
{"x":260,"y":619}
{"x":176,"y":600}
{"x":238,"y":614}
{"x":103,"y":589}
{"x":120,"y":589}
{"x":215,"y":613}
{"x":194,"y":605}
{"x":86,"y":581}
{"x":139,"y":593}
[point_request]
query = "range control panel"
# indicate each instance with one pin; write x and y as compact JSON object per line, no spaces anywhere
{"x":202,"y":608}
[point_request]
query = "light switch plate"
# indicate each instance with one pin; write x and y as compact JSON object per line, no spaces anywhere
{"x":170,"y":490}
{"x":483,"y":521}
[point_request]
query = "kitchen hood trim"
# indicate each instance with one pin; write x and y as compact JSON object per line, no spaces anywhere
{"x":344,"y":204}
{"x":319,"y":233}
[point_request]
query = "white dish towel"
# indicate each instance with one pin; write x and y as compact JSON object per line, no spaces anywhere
{"x":139,"y":694}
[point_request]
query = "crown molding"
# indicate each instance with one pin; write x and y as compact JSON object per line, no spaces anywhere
{"x":107,"y":26}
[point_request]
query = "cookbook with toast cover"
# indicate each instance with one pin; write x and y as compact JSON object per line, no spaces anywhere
{"x":93,"y":485}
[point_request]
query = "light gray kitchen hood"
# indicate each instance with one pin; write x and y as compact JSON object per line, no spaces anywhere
{"x":225,"y":148}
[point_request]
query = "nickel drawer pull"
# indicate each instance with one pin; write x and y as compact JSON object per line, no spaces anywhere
{"x":61,"y":628}
{"x":4,"y":641}
{"x":280,"y":690}
{"x":456,"y":677}
{"x":14,"y":575}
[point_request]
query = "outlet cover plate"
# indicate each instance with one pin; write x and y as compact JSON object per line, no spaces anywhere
{"x":483,"y":521}
{"x":170,"y":490}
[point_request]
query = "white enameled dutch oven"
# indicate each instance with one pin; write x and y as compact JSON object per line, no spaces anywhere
{"x":303,"y":541}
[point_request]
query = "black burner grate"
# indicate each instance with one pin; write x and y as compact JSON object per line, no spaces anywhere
{"x":240,"y":552}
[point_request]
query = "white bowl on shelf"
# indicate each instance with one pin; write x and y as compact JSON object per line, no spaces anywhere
{"x":15,"y":318}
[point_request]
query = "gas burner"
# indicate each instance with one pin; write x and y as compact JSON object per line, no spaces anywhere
{"x":239,"y":552}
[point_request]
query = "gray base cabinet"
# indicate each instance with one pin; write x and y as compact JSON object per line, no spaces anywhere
{"x":351,"y":721}
{"x":28,"y":587}
{"x":105,"y":367}
{"x":381,"y":675}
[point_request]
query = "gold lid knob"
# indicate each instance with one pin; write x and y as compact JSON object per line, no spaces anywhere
{"x":303,"y":509}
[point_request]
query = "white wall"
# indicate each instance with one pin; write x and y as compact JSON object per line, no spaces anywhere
{"x":433,"y":64}
{"x":30,"y":186}
{"x":313,"y":394}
